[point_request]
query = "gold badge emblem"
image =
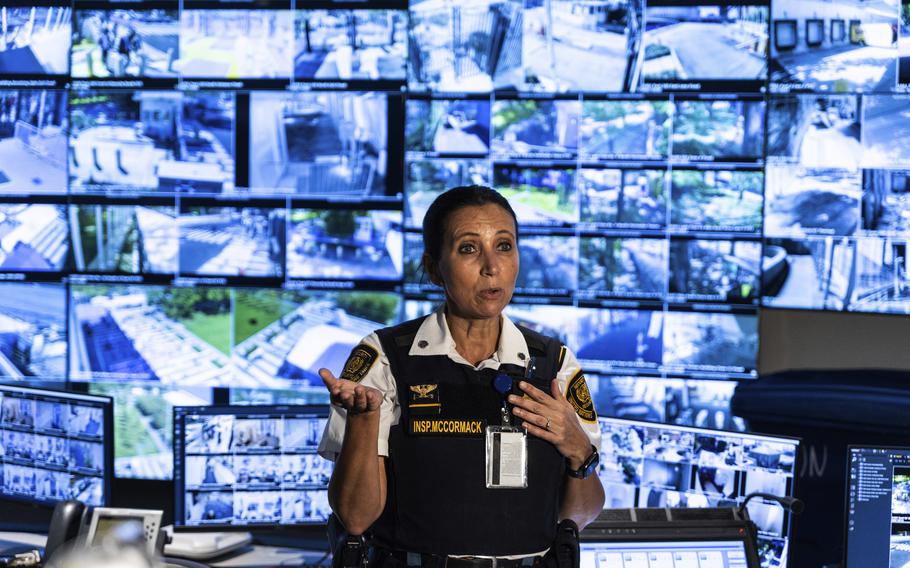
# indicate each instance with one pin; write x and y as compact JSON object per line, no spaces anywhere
{"x":423,"y":391}
{"x":424,"y":399}
{"x":359,"y":363}
{"x":579,"y":397}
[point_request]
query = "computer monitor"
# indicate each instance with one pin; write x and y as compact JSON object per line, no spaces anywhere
{"x":54,"y":446}
{"x":248,"y":467}
{"x":622,"y":552}
{"x":878,"y":507}
{"x":646,"y":464}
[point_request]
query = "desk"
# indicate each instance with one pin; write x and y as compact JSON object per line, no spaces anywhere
{"x":247,"y":557}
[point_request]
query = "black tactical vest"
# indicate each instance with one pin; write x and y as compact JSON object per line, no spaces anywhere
{"x":437,"y":500}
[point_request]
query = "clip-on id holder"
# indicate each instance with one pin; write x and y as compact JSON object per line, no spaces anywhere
{"x":506,"y":446}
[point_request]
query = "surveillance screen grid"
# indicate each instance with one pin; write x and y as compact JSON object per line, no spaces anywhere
{"x":661,"y":465}
{"x":250,"y":467}
{"x":52,"y":447}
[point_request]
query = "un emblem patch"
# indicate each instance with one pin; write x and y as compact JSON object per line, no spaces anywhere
{"x":359,"y":362}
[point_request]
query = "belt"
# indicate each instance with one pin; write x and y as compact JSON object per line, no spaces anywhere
{"x":426,"y":560}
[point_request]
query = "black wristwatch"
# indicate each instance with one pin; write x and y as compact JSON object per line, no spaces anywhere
{"x":587,"y":467}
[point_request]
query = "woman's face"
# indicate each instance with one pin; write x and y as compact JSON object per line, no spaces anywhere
{"x":478,"y":262}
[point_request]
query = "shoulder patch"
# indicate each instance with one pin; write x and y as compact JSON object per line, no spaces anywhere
{"x":579,"y":397}
{"x":562,"y":357}
{"x":359,"y":362}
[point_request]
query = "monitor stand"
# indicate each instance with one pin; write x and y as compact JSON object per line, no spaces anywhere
{"x":204,"y":545}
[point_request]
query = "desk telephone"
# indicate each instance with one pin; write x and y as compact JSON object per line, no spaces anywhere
{"x":72,"y":521}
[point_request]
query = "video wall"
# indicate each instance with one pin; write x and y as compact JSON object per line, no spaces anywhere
{"x":199,"y":195}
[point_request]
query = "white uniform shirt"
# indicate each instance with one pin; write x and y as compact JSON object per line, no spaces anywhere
{"x":436,"y":339}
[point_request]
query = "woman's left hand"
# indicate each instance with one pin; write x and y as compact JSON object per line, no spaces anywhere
{"x":551,"y":418}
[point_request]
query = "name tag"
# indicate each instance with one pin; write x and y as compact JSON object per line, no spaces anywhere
{"x":446,"y":427}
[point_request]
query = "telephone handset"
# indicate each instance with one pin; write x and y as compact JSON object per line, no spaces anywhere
{"x":74,"y":522}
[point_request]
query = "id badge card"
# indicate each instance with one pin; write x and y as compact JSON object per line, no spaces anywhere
{"x":507,"y":457}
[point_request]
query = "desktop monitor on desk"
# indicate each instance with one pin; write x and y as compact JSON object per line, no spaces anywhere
{"x":646,"y":464}
{"x":878,"y":507}
{"x":55,"y":445}
{"x":243,"y":467}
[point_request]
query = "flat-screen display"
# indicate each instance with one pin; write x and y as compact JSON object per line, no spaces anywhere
{"x":246,"y":467}
{"x":55,"y":446}
{"x":660,"y":465}
{"x":208,"y":193}
{"x":878,"y":506}
{"x":664,"y":554}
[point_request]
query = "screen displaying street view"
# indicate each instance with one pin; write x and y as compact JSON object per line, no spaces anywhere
{"x":564,"y":40}
{"x":448,"y":126}
{"x":721,"y":129}
{"x":625,"y":129}
{"x":33,"y":142}
{"x":862,"y":57}
{"x":801,"y":201}
{"x":33,"y":238}
{"x":625,"y":198}
{"x":548,"y":263}
{"x":886,"y":123}
{"x":520,"y":45}
{"x":34,"y":40}
{"x":607,"y":338}
{"x":623,"y":267}
{"x":283,"y":338}
{"x":32,"y":330}
{"x":151,"y":141}
{"x":471,"y":46}
{"x":232,"y":241}
{"x":863,"y":275}
{"x":341,"y":243}
{"x":705,"y":341}
{"x":715,"y":270}
{"x":143,"y":426}
{"x":350,"y":44}
{"x":54,"y":447}
{"x":130,"y":239}
{"x":426,"y":179}
{"x":529,"y":128}
{"x":815,"y":131}
{"x":235,"y":468}
{"x":705,"y":42}
{"x":886,"y":202}
{"x":236,"y":44}
{"x":539,"y":196}
{"x":660,"y":465}
{"x":125,"y":43}
{"x":704,"y":404}
{"x":720,"y":200}
{"x":318,"y":144}
{"x":175,"y":336}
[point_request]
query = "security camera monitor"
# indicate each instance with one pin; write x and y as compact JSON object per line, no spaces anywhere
{"x":249,"y":467}
{"x":646,"y":464}
{"x":55,"y":446}
{"x":705,"y":44}
{"x":878,"y":507}
{"x":33,"y":144}
{"x":34,"y":40}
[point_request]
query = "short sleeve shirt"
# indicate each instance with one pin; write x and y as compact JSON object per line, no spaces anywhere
{"x":433,"y":338}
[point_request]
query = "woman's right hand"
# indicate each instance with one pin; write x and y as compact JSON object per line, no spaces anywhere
{"x":353,"y":397}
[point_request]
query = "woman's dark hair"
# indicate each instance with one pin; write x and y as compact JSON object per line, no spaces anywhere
{"x":434,"y":222}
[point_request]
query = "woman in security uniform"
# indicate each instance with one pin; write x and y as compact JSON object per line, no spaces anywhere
{"x":412,"y":408}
